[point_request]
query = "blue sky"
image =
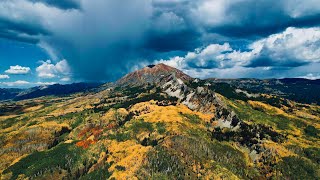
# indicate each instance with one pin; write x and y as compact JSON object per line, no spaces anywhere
{"x":15,"y":53}
{"x":64,"y":41}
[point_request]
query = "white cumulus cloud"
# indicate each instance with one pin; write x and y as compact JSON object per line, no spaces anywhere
{"x":4,"y":76}
{"x":294,"y":47}
{"x":18,"y":70}
{"x":213,"y":56}
{"x":16,"y":83}
{"x":45,"y":83}
{"x":65,"y":79}
{"x":49,"y":70}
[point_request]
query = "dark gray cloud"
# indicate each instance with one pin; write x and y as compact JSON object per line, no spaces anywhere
{"x":173,"y":41}
{"x":21,"y":27}
{"x":252,"y":19}
{"x":63,"y":4}
{"x":262,"y":19}
{"x":21,"y":31}
{"x":17,"y":37}
{"x":266,"y":61}
{"x":19,"y":22}
{"x":252,"y":28}
{"x":25,"y":20}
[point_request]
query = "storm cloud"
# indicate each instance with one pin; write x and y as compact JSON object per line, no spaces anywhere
{"x":102,"y":40}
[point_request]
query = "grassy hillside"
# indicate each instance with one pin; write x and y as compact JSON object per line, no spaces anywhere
{"x":142,"y":133}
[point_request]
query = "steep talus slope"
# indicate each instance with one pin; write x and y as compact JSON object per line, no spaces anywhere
{"x":158,"y":123}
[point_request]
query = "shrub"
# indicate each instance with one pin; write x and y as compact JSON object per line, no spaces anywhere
{"x":161,"y":127}
{"x":120,"y":168}
{"x":313,"y":154}
{"x":32,"y":123}
{"x":140,"y":125}
{"x":101,"y":173}
{"x":8,"y":122}
{"x":311,"y":131}
{"x":120,"y":137}
{"x":298,"y":168}
{"x":77,"y":122}
{"x":194,"y":119}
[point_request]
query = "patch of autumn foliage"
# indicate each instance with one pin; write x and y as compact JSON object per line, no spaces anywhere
{"x":96,"y":131}
{"x":111,"y":126}
{"x":93,"y":135}
{"x":85,"y":143}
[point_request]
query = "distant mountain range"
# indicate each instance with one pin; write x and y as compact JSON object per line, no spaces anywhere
{"x":9,"y":93}
{"x":296,"y":89}
{"x":47,"y":90}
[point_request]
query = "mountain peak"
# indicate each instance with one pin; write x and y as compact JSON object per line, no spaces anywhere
{"x":152,"y":74}
{"x":160,"y":66}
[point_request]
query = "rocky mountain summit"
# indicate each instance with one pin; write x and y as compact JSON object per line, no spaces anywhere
{"x":174,"y":83}
{"x":152,"y":74}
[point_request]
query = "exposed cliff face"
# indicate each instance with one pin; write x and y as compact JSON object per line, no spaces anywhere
{"x":200,"y":99}
{"x":176,"y":84}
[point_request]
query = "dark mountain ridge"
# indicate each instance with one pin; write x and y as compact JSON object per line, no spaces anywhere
{"x":47,"y":90}
{"x":297,"y":89}
{"x":9,"y":93}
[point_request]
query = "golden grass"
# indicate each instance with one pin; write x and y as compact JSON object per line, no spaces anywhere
{"x":33,"y":108}
{"x":170,"y":115}
{"x":278,"y":149}
{"x":303,"y":114}
{"x":7,"y":117}
{"x":268,"y":108}
{"x":113,"y":113}
{"x":167,"y":113}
